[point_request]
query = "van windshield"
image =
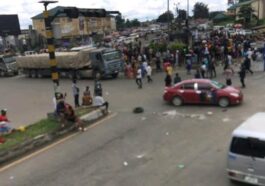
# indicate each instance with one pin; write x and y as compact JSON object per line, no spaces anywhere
{"x":252,"y":147}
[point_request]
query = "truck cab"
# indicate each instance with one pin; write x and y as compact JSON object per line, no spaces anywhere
{"x":8,"y":65}
{"x":106,"y":63}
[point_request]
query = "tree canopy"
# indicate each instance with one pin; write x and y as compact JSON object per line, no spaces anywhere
{"x":122,"y":23}
{"x":182,"y":14}
{"x":165,"y":17}
{"x":200,"y":10}
{"x":214,"y":13}
{"x":246,"y":13}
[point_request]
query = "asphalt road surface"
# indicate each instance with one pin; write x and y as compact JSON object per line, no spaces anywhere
{"x":164,"y":146}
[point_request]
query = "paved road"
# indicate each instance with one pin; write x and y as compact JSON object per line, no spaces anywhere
{"x":162,"y":147}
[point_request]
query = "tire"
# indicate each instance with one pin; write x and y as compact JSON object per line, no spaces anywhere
{"x":97,"y":75}
{"x":78,"y":76}
{"x":2,"y":73}
{"x":34,"y":73}
{"x":177,"y":101}
{"x":114,"y":76}
{"x":70,"y":75}
{"x":39,"y":74}
{"x":223,"y":102}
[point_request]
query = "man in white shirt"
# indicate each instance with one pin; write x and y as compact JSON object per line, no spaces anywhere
{"x":149,"y":73}
{"x":139,"y":78}
{"x":99,"y":102}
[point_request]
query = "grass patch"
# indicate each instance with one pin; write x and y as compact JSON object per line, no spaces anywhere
{"x":44,"y":126}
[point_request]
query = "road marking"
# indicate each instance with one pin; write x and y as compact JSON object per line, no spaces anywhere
{"x":54,"y":144}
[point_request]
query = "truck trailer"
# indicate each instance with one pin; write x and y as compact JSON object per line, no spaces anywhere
{"x":79,"y":62}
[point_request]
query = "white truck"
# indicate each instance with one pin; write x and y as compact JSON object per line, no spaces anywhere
{"x":80,"y":62}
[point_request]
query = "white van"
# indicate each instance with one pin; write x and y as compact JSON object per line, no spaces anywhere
{"x":246,"y":156}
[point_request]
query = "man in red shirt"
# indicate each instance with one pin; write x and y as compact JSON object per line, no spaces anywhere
{"x":4,"y":128}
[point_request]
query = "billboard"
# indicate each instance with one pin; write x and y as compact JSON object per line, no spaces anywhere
{"x":9,"y":25}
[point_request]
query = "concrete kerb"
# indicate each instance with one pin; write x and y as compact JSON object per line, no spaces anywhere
{"x":40,"y":141}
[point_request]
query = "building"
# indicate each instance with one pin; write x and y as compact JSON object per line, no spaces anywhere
{"x":89,"y":21}
{"x":257,"y":5}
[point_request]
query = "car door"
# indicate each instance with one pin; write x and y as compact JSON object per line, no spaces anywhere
{"x":188,"y":94}
{"x":203,"y":93}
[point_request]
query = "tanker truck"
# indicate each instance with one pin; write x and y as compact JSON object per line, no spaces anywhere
{"x":79,"y":62}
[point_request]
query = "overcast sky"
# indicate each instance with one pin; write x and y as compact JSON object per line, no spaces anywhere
{"x":141,"y":9}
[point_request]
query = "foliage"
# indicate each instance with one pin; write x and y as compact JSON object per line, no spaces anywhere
{"x":182,"y":14}
{"x":200,"y":10}
{"x":161,"y":47}
{"x":177,"y":46}
{"x":246,"y":14}
{"x":122,"y":24}
{"x":165,"y":17}
{"x":214,"y":13}
{"x":261,"y":22}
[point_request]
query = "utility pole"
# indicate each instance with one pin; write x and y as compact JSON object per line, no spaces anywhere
{"x":168,"y":21}
{"x":187,"y":22}
{"x":50,"y":43}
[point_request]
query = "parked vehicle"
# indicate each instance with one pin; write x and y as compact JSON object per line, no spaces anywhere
{"x":81,"y":62}
{"x":8,"y":65}
{"x":202,"y":91}
{"x":246,"y":154}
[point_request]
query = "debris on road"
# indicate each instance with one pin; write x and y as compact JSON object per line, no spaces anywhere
{"x":125,"y":163}
{"x":143,"y":118}
{"x":174,"y":113}
{"x":11,"y":177}
{"x":138,"y":110}
{"x":209,"y":113}
{"x":167,"y":133}
{"x":181,"y":166}
{"x":140,"y":156}
{"x":226,"y":120}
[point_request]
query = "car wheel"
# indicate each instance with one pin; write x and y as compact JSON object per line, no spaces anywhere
{"x":223,"y":102}
{"x":2,"y":73}
{"x":177,"y":101}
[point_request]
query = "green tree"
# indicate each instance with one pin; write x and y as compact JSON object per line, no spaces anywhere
{"x":246,"y":14}
{"x":214,"y":13}
{"x":182,"y":14}
{"x":200,"y":10}
{"x":165,"y":17}
{"x":135,"y":23}
{"x":120,"y":23}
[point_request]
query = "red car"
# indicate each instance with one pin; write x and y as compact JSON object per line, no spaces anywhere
{"x":203,"y":91}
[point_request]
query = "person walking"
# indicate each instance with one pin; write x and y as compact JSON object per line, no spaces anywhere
{"x":149,"y":73}
{"x":177,"y":78}
{"x":139,"y":78}
{"x":75,"y":93}
{"x":242,"y":75}
{"x":247,"y":64}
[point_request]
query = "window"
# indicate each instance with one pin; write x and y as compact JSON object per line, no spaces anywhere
{"x":204,"y":86}
{"x":189,"y":86}
{"x":248,"y":147}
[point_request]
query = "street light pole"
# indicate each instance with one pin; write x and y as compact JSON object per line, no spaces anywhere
{"x":168,"y":22}
{"x":50,"y":43}
{"x":187,"y":21}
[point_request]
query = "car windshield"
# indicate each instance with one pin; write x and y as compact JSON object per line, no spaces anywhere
{"x":111,"y":56}
{"x":9,"y":59}
{"x":218,"y":85}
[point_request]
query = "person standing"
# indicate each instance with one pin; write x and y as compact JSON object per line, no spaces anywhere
{"x":75,"y":93}
{"x":242,"y":75}
{"x":228,"y":75}
{"x":149,"y":73}
{"x":139,"y":78}
{"x":177,"y":78}
{"x":168,"y":80}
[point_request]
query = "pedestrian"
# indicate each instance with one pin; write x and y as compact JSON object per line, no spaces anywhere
{"x":149,"y":73}
{"x":100,"y":102}
{"x":197,"y":74}
{"x":212,"y":70}
{"x":139,"y":78}
{"x":242,"y":75}
{"x":87,"y":98}
{"x":203,"y":69}
{"x":177,"y":78}
{"x":168,"y":80}
{"x":75,"y":93}
{"x":228,"y":75}
{"x":4,"y":122}
{"x":247,"y":64}
{"x":97,"y":88}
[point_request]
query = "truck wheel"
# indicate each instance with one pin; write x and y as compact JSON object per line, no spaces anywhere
{"x":97,"y":75}
{"x":39,"y":74}
{"x":34,"y":73}
{"x":78,"y":76}
{"x":115,"y":75}
{"x":2,"y":73}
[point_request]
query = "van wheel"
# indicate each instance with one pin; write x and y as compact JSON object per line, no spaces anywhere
{"x":114,"y":75}
{"x":223,"y":102}
{"x":177,"y":101}
{"x":39,"y":74}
